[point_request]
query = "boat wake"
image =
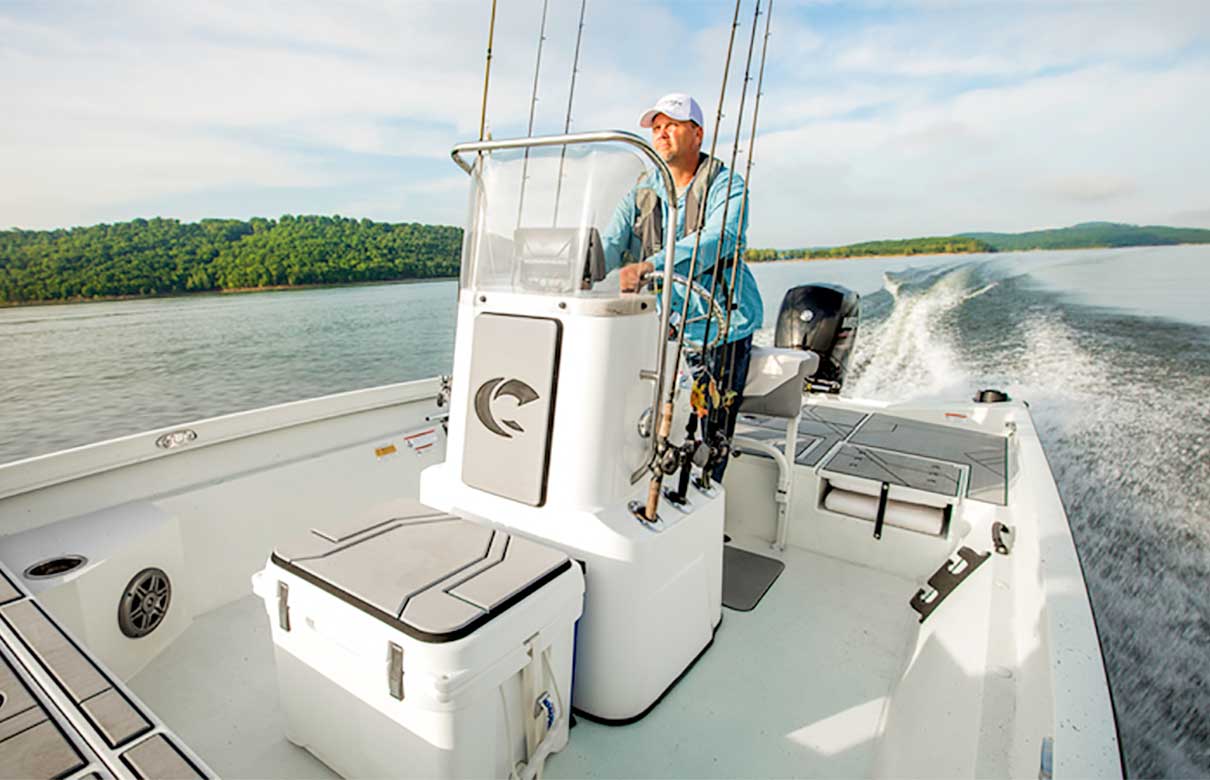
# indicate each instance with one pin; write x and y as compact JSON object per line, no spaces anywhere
{"x":1119,"y":404}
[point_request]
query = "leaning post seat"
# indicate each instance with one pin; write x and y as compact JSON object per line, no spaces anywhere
{"x":774,"y":388}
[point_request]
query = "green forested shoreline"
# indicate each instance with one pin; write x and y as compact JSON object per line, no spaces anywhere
{"x":1093,"y":234}
{"x":165,"y":256}
{"x":1087,"y":235}
{"x":907,"y":246}
{"x":146,"y":257}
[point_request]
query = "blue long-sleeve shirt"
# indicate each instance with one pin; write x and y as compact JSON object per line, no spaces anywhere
{"x":620,"y":238}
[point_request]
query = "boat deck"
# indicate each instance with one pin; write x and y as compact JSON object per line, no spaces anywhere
{"x":897,"y":449}
{"x":796,"y":687}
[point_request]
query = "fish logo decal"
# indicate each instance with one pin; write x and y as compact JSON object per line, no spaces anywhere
{"x":492,"y":389}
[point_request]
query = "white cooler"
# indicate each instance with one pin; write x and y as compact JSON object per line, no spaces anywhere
{"x":423,"y":646}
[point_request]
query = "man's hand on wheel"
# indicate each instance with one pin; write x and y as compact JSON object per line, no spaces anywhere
{"x":630,"y":274}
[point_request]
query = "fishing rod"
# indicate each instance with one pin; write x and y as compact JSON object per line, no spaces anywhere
{"x":571,"y":93}
{"x":533,"y":104}
{"x":737,"y":285}
{"x":708,"y":351}
{"x":658,"y":466}
{"x":718,"y":253}
{"x":487,"y":71}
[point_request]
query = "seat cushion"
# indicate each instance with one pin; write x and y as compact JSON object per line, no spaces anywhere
{"x":775,"y":380}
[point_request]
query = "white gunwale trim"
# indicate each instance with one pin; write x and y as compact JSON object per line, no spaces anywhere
{"x":42,"y":471}
{"x":1086,"y":742}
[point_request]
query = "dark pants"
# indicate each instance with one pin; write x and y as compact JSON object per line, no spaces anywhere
{"x":729,"y":367}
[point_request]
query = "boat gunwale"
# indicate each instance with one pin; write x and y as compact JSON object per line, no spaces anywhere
{"x":44,"y":471}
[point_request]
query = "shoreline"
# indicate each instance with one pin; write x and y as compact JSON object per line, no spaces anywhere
{"x":297,"y":287}
{"x":965,"y":254}
{"x":232,"y":291}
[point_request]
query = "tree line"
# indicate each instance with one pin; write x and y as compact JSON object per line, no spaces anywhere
{"x":907,"y":246}
{"x":166,"y":256}
{"x":1086,"y":235}
{"x":1094,"y":234}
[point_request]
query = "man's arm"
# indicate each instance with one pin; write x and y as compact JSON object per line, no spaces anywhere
{"x":617,"y":236}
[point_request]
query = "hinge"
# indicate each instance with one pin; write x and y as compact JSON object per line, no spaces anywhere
{"x":395,"y":670}
{"x":283,"y":605}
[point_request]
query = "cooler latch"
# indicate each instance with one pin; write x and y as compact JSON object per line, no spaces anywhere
{"x":395,"y":670}
{"x":283,"y":605}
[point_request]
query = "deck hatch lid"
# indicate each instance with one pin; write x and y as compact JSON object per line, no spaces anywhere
{"x":434,"y":576}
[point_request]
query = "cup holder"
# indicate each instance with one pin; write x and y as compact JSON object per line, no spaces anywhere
{"x":53,"y":567}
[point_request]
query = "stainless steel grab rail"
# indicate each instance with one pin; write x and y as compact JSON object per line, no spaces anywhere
{"x":602,"y":137}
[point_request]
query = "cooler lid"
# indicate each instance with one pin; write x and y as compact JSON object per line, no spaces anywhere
{"x":434,"y":576}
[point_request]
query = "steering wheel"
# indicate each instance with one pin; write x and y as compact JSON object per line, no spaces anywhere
{"x":713,"y":312}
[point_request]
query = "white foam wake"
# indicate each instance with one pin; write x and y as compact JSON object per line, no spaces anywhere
{"x":911,"y":352}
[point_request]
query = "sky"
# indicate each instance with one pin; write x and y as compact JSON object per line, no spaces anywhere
{"x":878,"y":119}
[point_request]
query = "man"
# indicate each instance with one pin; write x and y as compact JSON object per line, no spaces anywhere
{"x":634,"y":242}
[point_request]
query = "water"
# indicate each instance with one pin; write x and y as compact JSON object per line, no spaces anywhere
{"x":1111,"y":348}
{"x":82,"y":373}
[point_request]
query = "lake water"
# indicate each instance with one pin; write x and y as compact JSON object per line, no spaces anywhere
{"x":1111,"y":348}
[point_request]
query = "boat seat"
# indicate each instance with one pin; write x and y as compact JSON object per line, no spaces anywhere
{"x":774,"y":388}
{"x":775,"y":381}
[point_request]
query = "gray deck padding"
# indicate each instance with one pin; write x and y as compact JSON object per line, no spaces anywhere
{"x":435,"y":572}
{"x":747,"y":577}
{"x":933,"y":476}
{"x":984,"y":453}
{"x":821,"y":428}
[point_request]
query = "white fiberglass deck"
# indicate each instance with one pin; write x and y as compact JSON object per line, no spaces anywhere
{"x":794,"y":688}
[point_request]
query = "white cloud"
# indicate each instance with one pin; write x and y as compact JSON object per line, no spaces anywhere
{"x":1049,"y":151}
{"x":952,"y":116}
{"x":1090,"y":188}
{"x":1005,"y":39}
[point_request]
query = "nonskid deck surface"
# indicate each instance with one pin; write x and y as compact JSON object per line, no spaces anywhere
{"x":216,"y":688}
{"x":868,"y":438}
{"x":794,"y":688}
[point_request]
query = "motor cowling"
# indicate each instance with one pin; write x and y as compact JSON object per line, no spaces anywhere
{"x":821,"y":318}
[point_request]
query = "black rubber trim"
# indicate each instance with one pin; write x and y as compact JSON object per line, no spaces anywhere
{"x":636,"y":718}
{"x":412,"y":631}
{"x":554,"y":399}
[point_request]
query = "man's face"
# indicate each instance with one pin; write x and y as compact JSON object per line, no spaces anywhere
{"x":674,"y":140}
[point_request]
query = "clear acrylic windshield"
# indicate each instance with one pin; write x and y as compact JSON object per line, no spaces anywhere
{"x":540,"y":218}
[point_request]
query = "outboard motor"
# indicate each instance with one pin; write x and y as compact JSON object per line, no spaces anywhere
{"x":821,"y":318}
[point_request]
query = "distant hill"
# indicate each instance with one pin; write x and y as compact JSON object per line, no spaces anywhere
{"x":1087,"y":235}
{"x":166,"y":256}
{"x":1093,"y":234}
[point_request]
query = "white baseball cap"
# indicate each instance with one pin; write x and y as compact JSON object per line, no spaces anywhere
{"x":676,"y":105}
